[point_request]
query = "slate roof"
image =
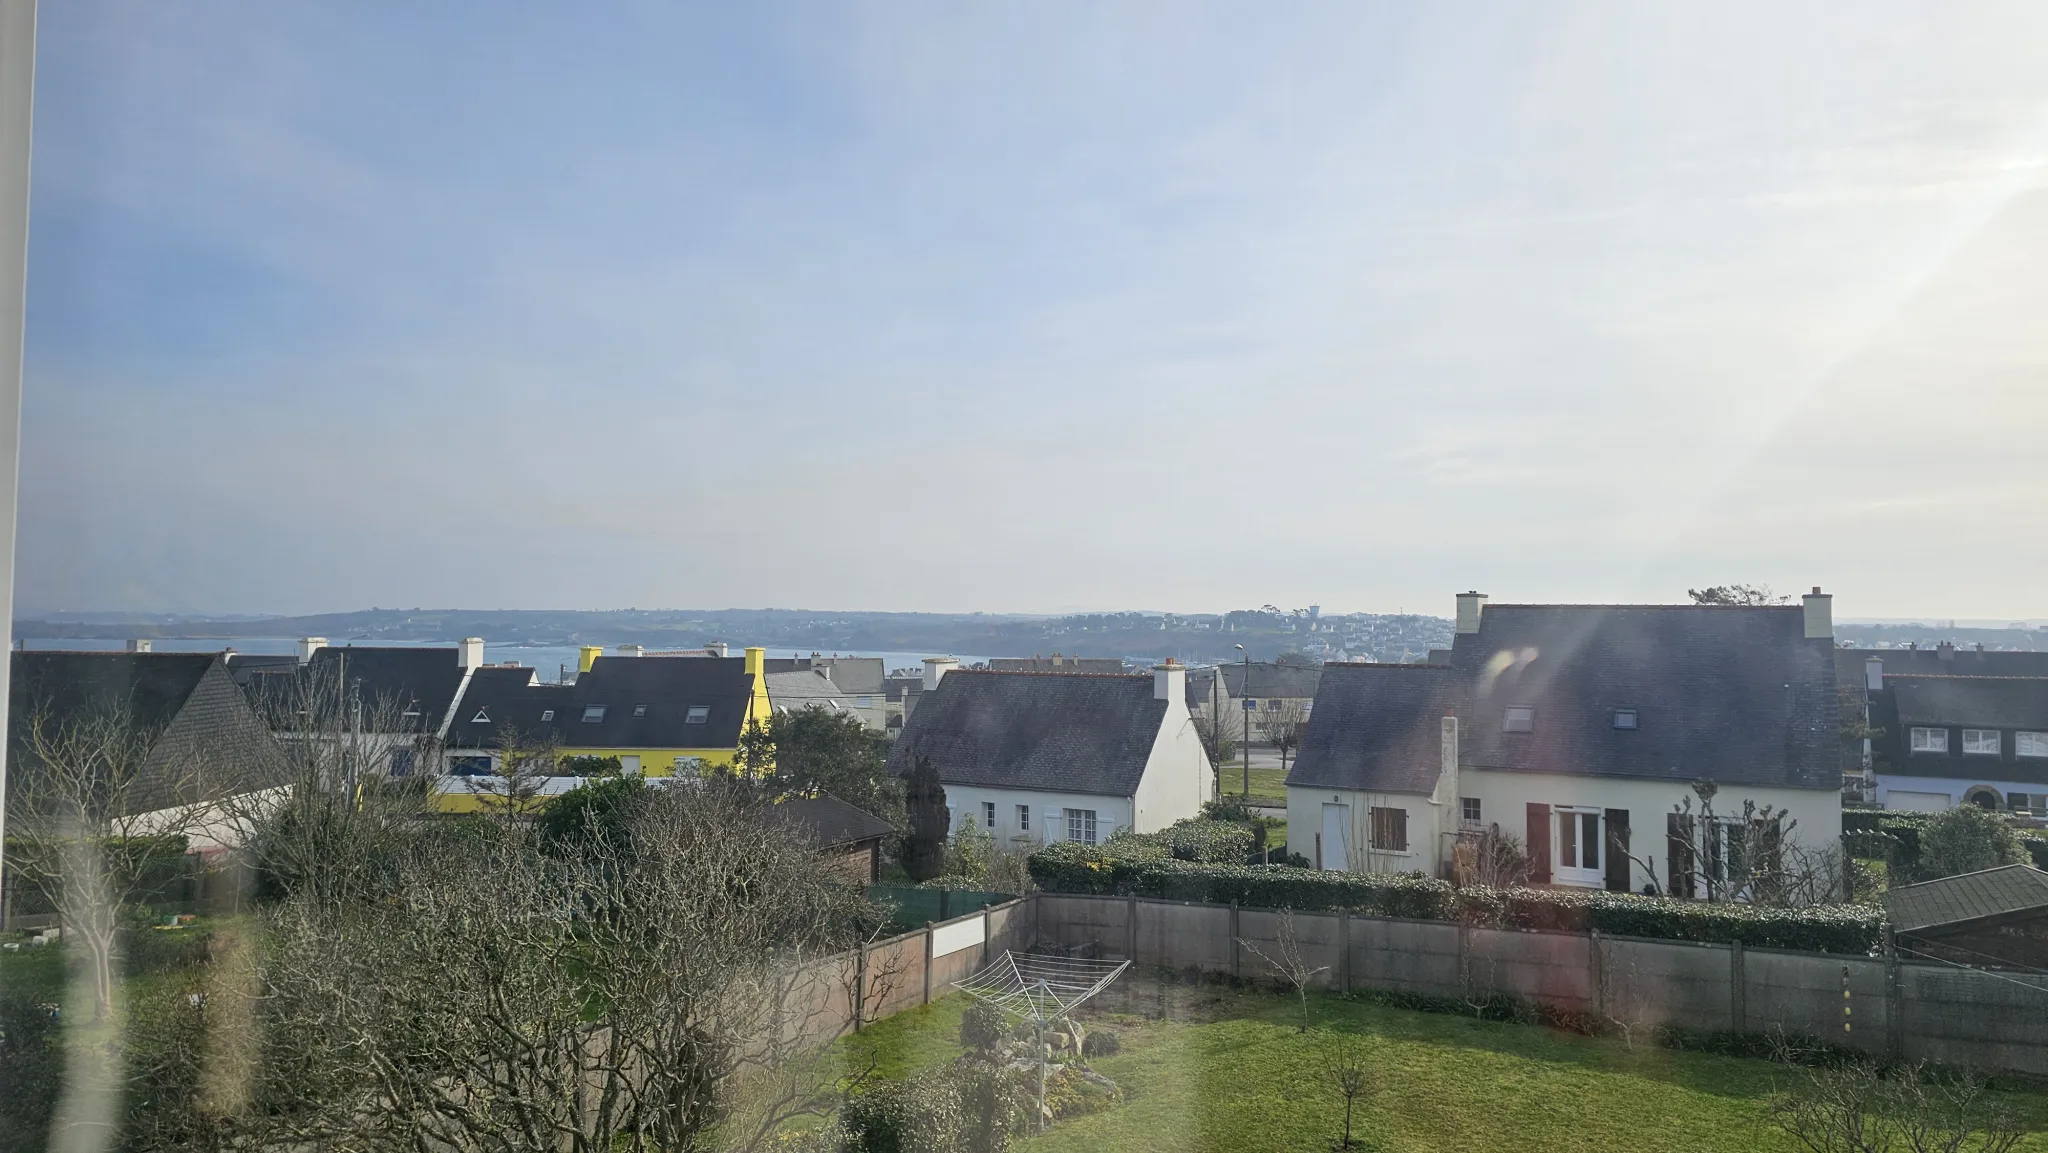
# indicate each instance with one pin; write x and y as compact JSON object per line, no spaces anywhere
{"x":410,"y":677}
{"x":2007,"y":893}
{"x":1377,"y":728}
{"x":207,"y":742}
{"x":1737,"y":695}
{"x":1108,"y":665}
{"x":1984,"y":702}
{"x":667,"y":686}
{"x":1270,"y":680}
{"x":794,"y":690}
{"x":1048,"y":732}
{"x":859,"y":676}
{"x":1928,"y":662}
{"x":829,"y":821}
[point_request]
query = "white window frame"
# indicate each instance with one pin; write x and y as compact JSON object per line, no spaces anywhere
{"x":1469,"y":810}
{"x":697,"y":715}
{"x":1993,"y":747}
{"x":2031,"y":744}
{"x":547,"y":714}
{"x":1023,"y":818}
{"x":1576,"y":818}
{"x":988,"y":815}
{"x":1518,"y":719}
{"x":1082,"y":825}
{"x":1925,"y":739}
{"x":593,"y":714}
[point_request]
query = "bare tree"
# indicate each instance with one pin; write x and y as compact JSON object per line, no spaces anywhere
{"x":1750,"y":856}
{"x":1349,"y":1070}
{"x":1490,"y":857}
{"x":1738,"y":595}
{"x":1859,"y":1108}
{"x":646,"y":993}
{"x":1289,"y":962}
{"x":1284,"y":720}
{"x":100,"y":806}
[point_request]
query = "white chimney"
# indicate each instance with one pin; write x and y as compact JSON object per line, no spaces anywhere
{"x":138,"y":645}
{"x":1447,"y":763}
{"x":1873,"y":673}
{"x":472,"y":652}
{"x":630,"y":651}
{"x":1820,"y":615}
{"x":716,"y":648}
{"x":308,"y":646}
{"x":1170,"y":682}
{"x":1469,"y":607}
{"x":1945,"y":651}
{"x":937,"y":667}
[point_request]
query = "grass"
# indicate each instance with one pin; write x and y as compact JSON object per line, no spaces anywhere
{"x":1269,"y":786}
{"x":1229,"y":1074}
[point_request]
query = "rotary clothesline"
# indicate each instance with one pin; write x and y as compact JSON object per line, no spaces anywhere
{"x":1037,"y":988}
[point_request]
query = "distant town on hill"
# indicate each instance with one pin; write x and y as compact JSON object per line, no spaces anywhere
{"x":1265,"y":633}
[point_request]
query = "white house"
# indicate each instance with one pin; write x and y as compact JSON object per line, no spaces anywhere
{"x":1059,"y":756}
{"x":1576,"y":728}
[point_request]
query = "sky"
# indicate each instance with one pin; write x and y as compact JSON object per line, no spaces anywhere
{"x":1035,"y":307}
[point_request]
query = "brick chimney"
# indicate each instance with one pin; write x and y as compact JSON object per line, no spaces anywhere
{"x":1470,"y":605}
{"x":1820,"y":615}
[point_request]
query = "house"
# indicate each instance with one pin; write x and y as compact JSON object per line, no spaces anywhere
{"x":1055,"y":663}
{"x":657,"y":715}
{"x":1258,"y":691}
{"x":1577,"y":729}
{"x":207,"y":743}
{"x":1996,"y":918}
{"x":850,"y":839}
{"x":817,"y":685}
{"x":1059,"y":756}
{"x":1965,"y":736}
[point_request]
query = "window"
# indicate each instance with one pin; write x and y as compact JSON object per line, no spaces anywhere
{"x":698,"y":714}
{"x":1930,"y":740}
{"x":1578,"y":846}
{"x":547,"y":714}
{"x":1982,"y":743}
{"x":988,"y":815}
{"x":470,"y":766}
{"x":1080,"y":825}
{"x":1023,"y":818}
{"x":2034,"y":803}
{"x":1625,"y":719}
{"x":639,"y":710}
{"x":593,"y":714}
{"x":1518,"y":719}
{"x":1468,"y":809}
{"x":2033,"y":745}
{"x":1390,"y":830}
{"x":482,"y":717}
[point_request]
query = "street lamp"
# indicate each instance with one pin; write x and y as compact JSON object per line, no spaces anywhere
{"x":1244,"y":691}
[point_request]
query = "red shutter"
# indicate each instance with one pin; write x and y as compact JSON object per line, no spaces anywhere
{"x":1539,"y":844}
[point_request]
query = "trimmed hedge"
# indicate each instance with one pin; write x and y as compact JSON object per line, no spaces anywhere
{"x":1074,"y":868}
{"x":1894,"y":837}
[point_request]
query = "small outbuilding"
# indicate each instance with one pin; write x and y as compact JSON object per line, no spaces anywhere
{"x":850,"y":838}
{"x":1996,"y":918}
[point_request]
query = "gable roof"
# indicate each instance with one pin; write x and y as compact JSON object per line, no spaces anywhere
{"x":1931,"y":661}
{"x":1989,"y":896}
{"x":668,"y":686}
{"x":206,"y":741}
{"x":1376,"y":728}
{"x":411,"y":678}
{"x":1737,"y":695}
{"x":1270,"y":680}
{"x":1990,"y":702}
{"x":1049,"y":732}
{"x":829,"y":821}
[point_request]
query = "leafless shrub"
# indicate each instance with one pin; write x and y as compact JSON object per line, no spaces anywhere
{"x":1289,"y":962}
{"x":1859,"y":1108}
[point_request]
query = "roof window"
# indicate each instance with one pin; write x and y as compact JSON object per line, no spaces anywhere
{"x":547,"y":714}
{"x":639,"y":710}
{"x":593,"y":714}
{"x":1626,"y":719}
{"x":698,"y":714}
{"x":1518,"y":719}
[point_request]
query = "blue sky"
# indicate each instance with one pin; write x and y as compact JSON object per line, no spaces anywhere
{"x":1035,"y":307}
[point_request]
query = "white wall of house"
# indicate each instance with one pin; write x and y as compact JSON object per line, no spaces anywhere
{"x":1047,"y":811}
{"x":1504,"y":799}
{"x":1933,"y":794}
{"x":1178,"y":777}
{"x":1342,"y":839}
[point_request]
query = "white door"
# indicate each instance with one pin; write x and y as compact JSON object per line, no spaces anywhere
{"x":1917,"y":802}
{"x":1336,"y":837}
{"x":629,"y":766}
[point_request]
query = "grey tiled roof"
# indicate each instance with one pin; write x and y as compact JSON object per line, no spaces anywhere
{"x":667,"y":686}
{"x":1270,"y":680}
{"x":1376,"y":728}
{"x":2013,"y":890}
{"x":1734,"y":695}
{"x":409,"y":677}
{"x":1989,"y":702}
{"x":829,"y":821}
{"x":1051,"y":732}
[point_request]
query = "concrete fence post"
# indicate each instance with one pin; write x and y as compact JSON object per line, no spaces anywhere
{"x":927,"y":962}
{"x":985,"y":943}
{"x":1894,"y":1000}
{"x":1131,"y":929}
{"x":1236,"y":964}
{"x":1738,"y":989}
{"x":1343,"y":950}
{"x":860,"y":986}
{"x":1596,"y":964}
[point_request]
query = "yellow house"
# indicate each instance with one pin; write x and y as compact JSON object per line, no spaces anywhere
{"x":657,"y":715}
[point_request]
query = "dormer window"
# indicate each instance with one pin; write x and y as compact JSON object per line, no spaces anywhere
{"x":593,"y":714}
{"x":639,"y":710}
{"x":1626,"y":719}
{"x":698,"y":714}
{"x":1518,"y":719}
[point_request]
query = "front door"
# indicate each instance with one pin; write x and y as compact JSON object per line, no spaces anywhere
{"x":1337,"y":837}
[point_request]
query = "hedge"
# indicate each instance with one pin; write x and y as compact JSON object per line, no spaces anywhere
{"x":1073,"y":868}
{"x":1894,"y":836}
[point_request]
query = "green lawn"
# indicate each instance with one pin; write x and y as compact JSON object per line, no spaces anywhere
{"x":1235,"y":1077}
{"x":1269,"y":786}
